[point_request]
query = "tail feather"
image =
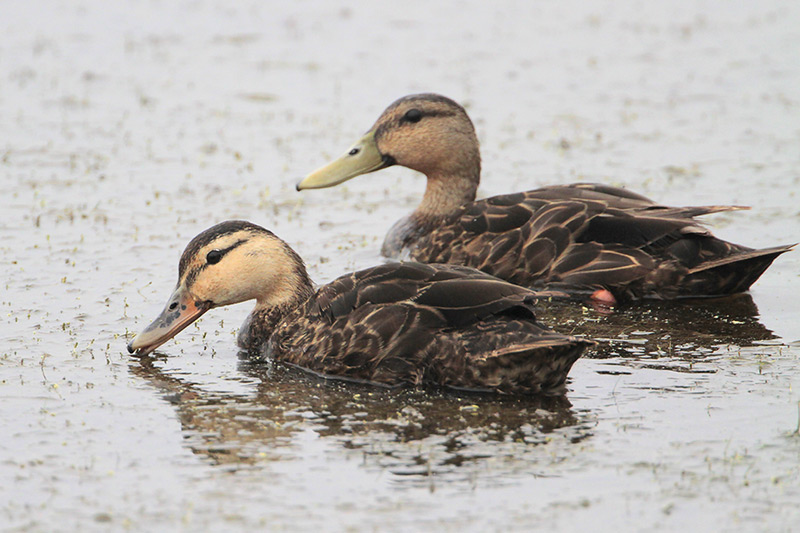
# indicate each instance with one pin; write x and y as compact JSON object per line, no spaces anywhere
{"x":694,"y":211}
{"x":732,"y":274}
{"x":534,"y":367}
{"x":508,"y":355}
{"x":766,"y":255}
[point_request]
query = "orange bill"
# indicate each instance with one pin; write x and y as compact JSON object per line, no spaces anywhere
{"x":181,"y":310}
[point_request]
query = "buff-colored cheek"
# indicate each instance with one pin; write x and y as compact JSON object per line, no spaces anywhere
{"x":202,"y":289}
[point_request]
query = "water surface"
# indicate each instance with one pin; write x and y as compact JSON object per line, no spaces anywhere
{"x":127,"y":128}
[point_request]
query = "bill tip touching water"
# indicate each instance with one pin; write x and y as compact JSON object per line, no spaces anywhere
{"x":582,"y":238}
{"x":397,"y":323}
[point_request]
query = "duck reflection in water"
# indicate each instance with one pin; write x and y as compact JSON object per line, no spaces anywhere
{"x":687,"y":329}
{"x":409,"y":432}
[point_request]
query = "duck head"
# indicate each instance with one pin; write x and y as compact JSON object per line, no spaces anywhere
{"x":231,"y":262}
{"x":428,"y":133}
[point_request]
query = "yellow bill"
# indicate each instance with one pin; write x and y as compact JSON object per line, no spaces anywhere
{"x":362,"y":158}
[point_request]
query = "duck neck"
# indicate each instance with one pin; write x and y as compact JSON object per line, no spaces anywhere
{"x":446,"y":192}
{"x":270,"y":312}
{"x":297,"y":289}
{"x":443,"y":197}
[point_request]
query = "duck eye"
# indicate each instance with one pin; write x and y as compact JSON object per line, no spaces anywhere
{"x":412,"y":115}
{"x":213,"y":257}
{"x":354,"y":151}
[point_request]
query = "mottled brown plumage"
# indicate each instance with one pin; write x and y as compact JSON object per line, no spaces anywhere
{"x":579,"y":238}
{"x":399,"y":323}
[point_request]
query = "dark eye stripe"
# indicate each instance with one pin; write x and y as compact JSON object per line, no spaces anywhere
{"x":389,"y":125}
{"x":412,"y":116}
{"x":192,"y":275}
{"x":223,"y":251}
{"x":214,"y":256}
{"x":212,"y":234}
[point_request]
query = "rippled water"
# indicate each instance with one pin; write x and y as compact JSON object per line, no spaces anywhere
{"x":127,"y":128}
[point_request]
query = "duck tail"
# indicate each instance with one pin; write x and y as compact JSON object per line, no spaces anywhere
{"x":506,"y":355}
{"x":731,"y":274}
{"x":693,"y":211}
{"x":536,"y":368}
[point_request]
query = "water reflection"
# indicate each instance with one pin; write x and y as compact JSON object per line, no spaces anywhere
{"x":409,"y":432}
{"x":418,"y":432}
{"x":686,"y":329}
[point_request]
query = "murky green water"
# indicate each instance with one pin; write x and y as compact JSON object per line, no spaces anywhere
{"x":127,"y":128}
